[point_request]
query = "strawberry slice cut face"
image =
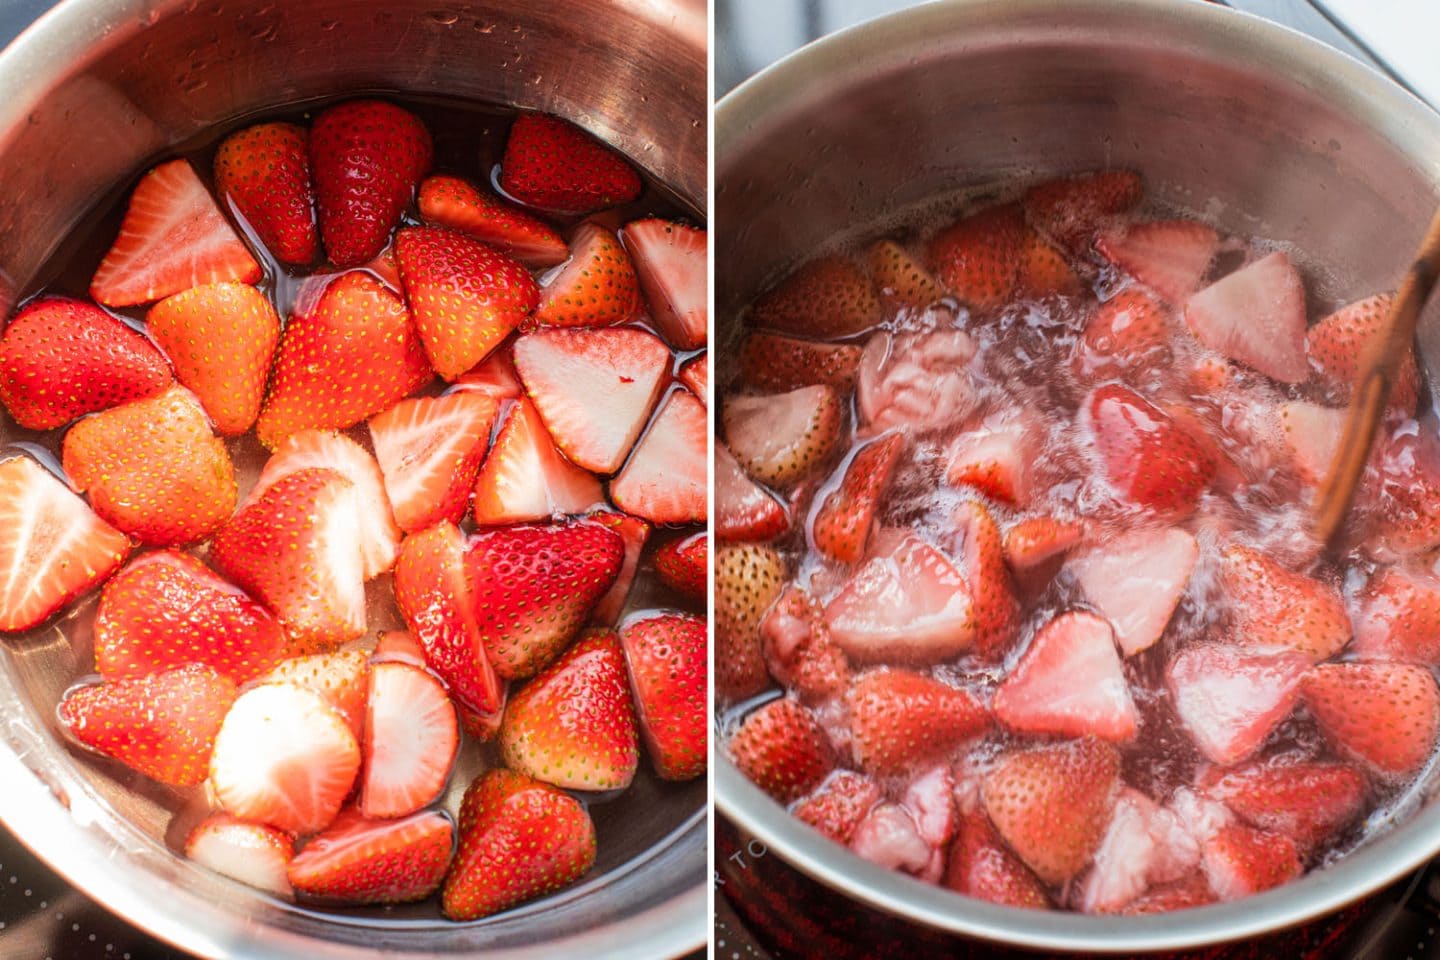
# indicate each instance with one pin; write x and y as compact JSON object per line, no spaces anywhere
{"x":411,"y":738}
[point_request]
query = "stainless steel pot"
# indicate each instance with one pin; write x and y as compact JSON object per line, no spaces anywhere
{"x":1261,"y":129}
{"x":94,"y":91}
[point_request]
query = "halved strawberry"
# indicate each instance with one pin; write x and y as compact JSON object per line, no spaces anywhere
{"x":900,"y":720}
{"x":447,"y":201}
{"x":264,"y":171}
{"x":1142,"y":844}
{"x":798,"y":650}
{"x":360,"y":860}
{"x":1069,"y":683}
{"x":1337,"y":346}
{"x":367,"y":157}
{"x":744,"y":510}
{"x":495,"y":375}
{"x":828,"y":297}
{"x":837,"y":808}
{"x":53,"y":547}
{"x":681,"y":565}
{"x":1383,"y":715}
{"x":597,"y":287}
{"x":670,"y":259}
{"x":667,"y":660}
{"x":665,"y":479}
{"x":1129,"y":328}
{"x":1044,"y":272}
{"x":554,"y":165}
{"x":153,"y":468}
{"x":163,"y":725}
{"x":1240,"y":861}
{"x":526,"y":478}
{"x":1230,"y":699}
{"x":1170,"y":257}
{"x":695,"y":374}
{"x":1071,"y":209}
{"x":1276,"y":607}
{"x":748,"y":580}
{"x":353,"y":356}
{"x":1308,"y":801}
{"x":61,"y":359}
{"x":1035,"y":541}
{"x":167,"y":609}
{"x":519,"y":839}
{"x":340,"y":679}
{"x":980,"y":258}
{"x":995,"y":462}
{"x":399,"y":647}
{"x":429,"y":450}
{"x":593,"y":388}
{"x":980,"y":558}
{"x":1136,"y":581}
{"x":634,"y":532}
{"x":783,"y":438}
{"x":904,"y":284}
{"x":411,"y":738}
{"x":173,"y":238}
{"x":1399,"y":616}
{"x":1190,"y":891}
{"x":1312,"y":435}
{"x":465,"y":297}
{"x":1255,"y":315}
{"x":842,"y":524}
{"x":782,"y":750}
{"x":297,"y":549}
{"x":251,"y":853}
{"x":769,"y":361}
{"x":981,"y":866}
{"x":1145,"y":456}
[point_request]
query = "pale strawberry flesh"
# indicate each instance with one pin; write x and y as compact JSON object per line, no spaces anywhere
{"x":1255,"y":315}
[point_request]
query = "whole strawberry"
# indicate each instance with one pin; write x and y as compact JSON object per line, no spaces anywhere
{"x":556,"y":166}
{"x":265,"y":172}
{"x":667,"y":656}
{"x":782,"y":750}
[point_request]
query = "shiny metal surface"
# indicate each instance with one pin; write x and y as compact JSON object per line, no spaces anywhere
{"x":1256,"y":127}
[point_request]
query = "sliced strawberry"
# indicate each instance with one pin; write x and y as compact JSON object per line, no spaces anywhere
{"x":1129,"y":853}
{"x":1255,"y":315}
{"x":798,"y":650}
{"x":1230,"y":699}
{"x":1229,"y":478}
{"x":460,"y":205}
{"x":1146,"y":457}
{"x":173,"y":238}
{"x":360,"y":860}
{"x":634,"y":532}
{"x":840,"y":804}
{"x":980,"y":558}
{"x":1033,"y":542}
{"x":429,"y":450}
{"x":900,"y":720}
{"x":667,"y":660}
{"x":981,"y":866}
{"x":1069,"y":683}
{"x":980,"y":258}
{"x":167,"y":609}
{"x":526,"y":478}
{"x":248,"y":852}
{"x":340,"y":679}
{"x":695,"y":374}
{"x":784,"y":438}
{"x":597,"y":287}
{"x":665,"y":479}
{"x":890,"y":838}
{"x":782,"y":750}
{"x":594,"y":389}
{"x":411,"y":738}
{"x":1307,"y":802}
{"x":1170,"y":257}
{"x":769,"y":361}
{"x":744,"y":510}
{"x":1312,"y":435}
{"x":163,"y":725}
{"x":917,"y":382}
{"x":153,"y":468}
{"x":842,"y":524}
{"x":1276,"y":607}
{"x":748,"y":580}
{"x":1240,"y":861}
{"x":1070,"y":210}
{"x":1399,"y":617}
{"x":53,"y":547}
{"x":828,"y":297}
{"x":1136,"y":581}
{"x":681,"y":565}
{"x":1338,"y":344}
{"x":554,"y":165}
{"x":1383,"y":715}
{"x":399,"y":647}
{"x":903,"y":283}
{"x":1210,"y":374}
{"x":264,"y":172}
{"x":1129,"y":328}
{"x":495,"y":375}
{"x":1044,"y":271}
{"x":670,"y":259}
{"x":61,"y":359}
{"x":994,"y":462}
{"x":367,"y":157}
{"x":1183,"y":894}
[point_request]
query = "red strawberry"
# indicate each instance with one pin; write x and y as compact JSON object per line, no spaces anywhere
{"x":61,"y":359}
{"x":1255,"y":315}
{"x":399,"y":647}
{"x":1210,"y":374}
{"x":429,"y":450}
{"x":903,"y":283}
{"x":264,"y":171}
{"x":166,"y":609}
{"x":284,"y":757}
{"x":1130,"y":328}
{"x":748,"y":581}
{"x":681,"y":565}
{"x":359,"y":860}
{"x":353,"y":356}
{"x":1052,"y":803}
{"x":1069,"y":683}
{"x":667,"y":658}
{"x":1230,"y":699}
{"x":597,"y":287}
{"x":1240,"y":861}
{"x":433,"y":593}
{"x":781,"y":439}
{"x":1070,"y":210}
{"x":1190,"y":891}
{"x":153,"y":468}
{"x":173,"y":238}
{"x":554,"y":165}
{"x":670,"y":259}
{"x":900,"y":720}
{"x":1312,"y":436}
{"x":1338,"y":344}
{"x":1145,"y":456}
{"x":1383,"y":715}
{"x":495,"y":375}
{"x":981,"y":866}
{"x":995,"y":462}
{"x":520,"y":840}
{"x":842,"y":525}
{"x":1399,"y":617}
{"x":782,"y":750}
{"x":665,"y":479}
{"x":828,"y":297}
{"x":248,"y":852}
{"x":769,"y":361}
{"x":695,"y":374}
{"x":297,"y":549}
{"x":634,"y":532}
{"x":221,"y":339}
{"x":411,"y":738}
{"x":593,"y":388}
{"x":340,"y":679}
{"x":367,"y":157}
{"x":465,"y":297}
{"x":837,"y":808}
{"x":744,"y":510}
{"x":798,"y":650}
{"x":534,"y":587}
{"x":1276,"y":607}
{"x":53,"y":547}
{"x":1044,"y":271}
{"x":1033,"y":542}
{"x":980,"y":558}
{"x":980,"y":258}
{"x":526,"y":478}
{"x":460,"y":205}
{"x":1136,"y":581}
{"x":1170,"y":257}
{"x":1307,"y":802}
{"x":163,"y":726}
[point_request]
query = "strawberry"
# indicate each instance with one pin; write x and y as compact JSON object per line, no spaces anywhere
{"x":248,"y":852}
{"x":1129,"y":328}
{"x":429,"y":450}
{"x":781,"y":439}
{"x":980,"y":258}
{"x":769,"y":361}
{"x":1312,"y":436}
{"x":367,"y":157}
{"x":798,"y":650}
{"x":53,"y":547}
{"x":1170,"y":257}
{"x":1230,"y":699}
{"x":397,"y":646}
{"x":1070,"y":210}
{"x":980,"y":558}
{"x":695,"y":374}
{"x":297,"y":550}
{"x":1052,"y":803}
{"x":1145,"y":456}
{"x":1275,"y":607}
{"x":1189,"y":891}
{"x":495,"y":375}
{"x":837,"y":808}
{"x":526,"y":478}
{"x":842,"y":524}
{"x":434,"y":595}
{"x":521,"y":839}
{"x":634,"y":532}
{"x":353,"y":356}
{"x":903,"y":283}
{"x":1308,"y":802}
{"x":460,"y":205}
{"x":340,"y":679}
{"x":748,"y":580}
{"x":667,"y":659}
{"x":745,"y":510}
{"x":1338,"y":344}
{"x":1069,"y":683}
{"x":1044,"y":271}
{"x":681,"y":565}
{"x":1399,"y":617}
{"x":825,"y":298}
{"x":465,"y":297}
{"x":900,"y":720}
{"x":411,"y":738}
{"x":597,"y":287}
{"x":61,"y":359}
{"x":980,"y":866}
{"x":554,"y":165}
{"x":1240,"y":861}
{"x":221,"y":338}
{"x":164,"y":725}
{"x":1136,"y":581}
{"x":153,"y":469}
{"x":782,"y":750}
{"x":665,"y":479}
{"x":593,"y":388}
{"x":670,"y":259}
{"x":264,"y":172}
{"x":1385,"y":716}
{"x":360,"y":860}
{"x":573,"y":725}
{"x":173,"y":238}
{"x":1255,"y":315}
{"x":1210,"y":374}
{"x":167,"y":609}
{"x":994,"y":462}
{"x":1035,"y":541}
